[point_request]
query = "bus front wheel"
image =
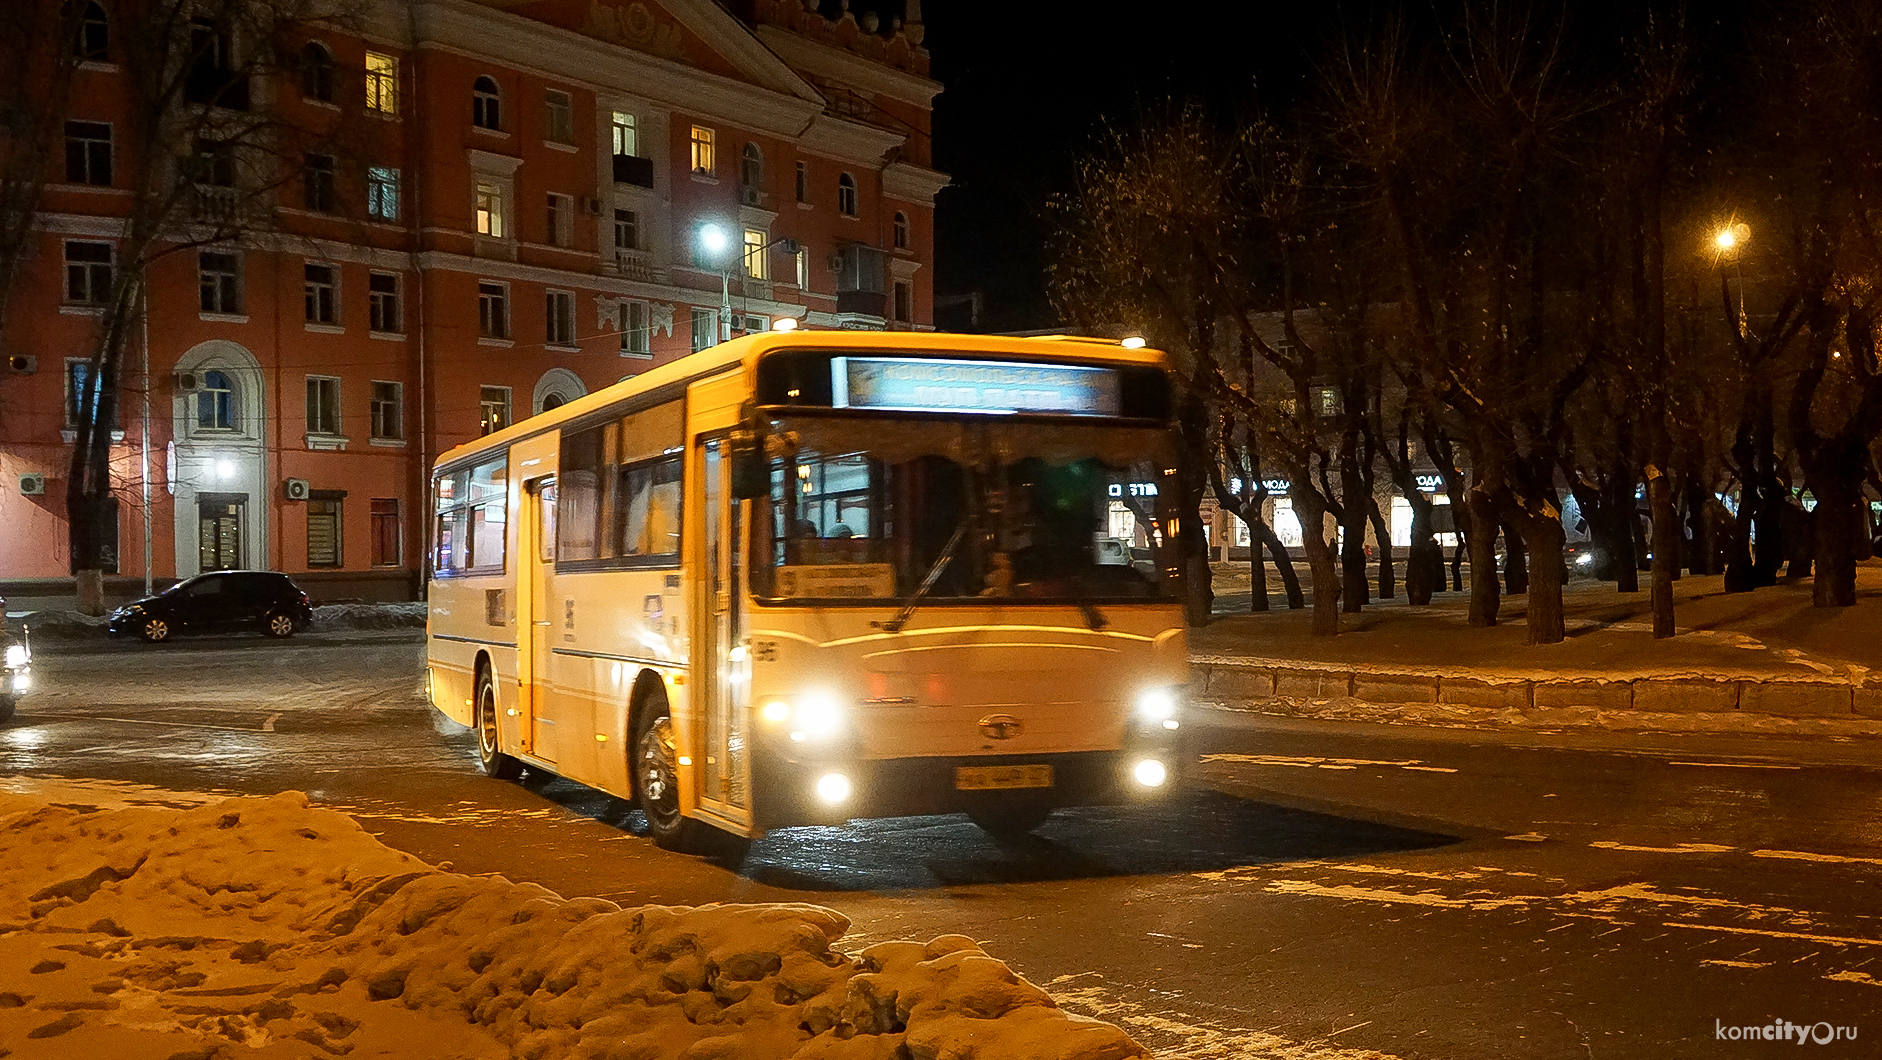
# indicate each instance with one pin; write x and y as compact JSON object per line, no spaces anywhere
{"x":494,"y":762}
{"x":657,"y":789}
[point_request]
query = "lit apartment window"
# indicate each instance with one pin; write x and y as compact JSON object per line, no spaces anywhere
{"x":560,"y":316}
{"x":316,"y":73}
{"x":323,"y":531}
{"x":486,"y":104}
{"x":385,"y":532}
{"x":382,"y":83}
{"x":215,"y":402}
{"x":493,"y":405}
{"x":87,"y":272}
{"x":489,"y":209}
{"x":493,"y":310}
{"x":88,"y":153}
{"x":803,"y":268}
{"x":626,"y":139}
{"x":382,"y":193}
{"x":561,"y":217}
{"x":558,"y":117}
{"x":705,"y":329}
{"x":846,"y":195}
{"x":382,"y":300}
{"x":388,"y":411}
{"x":219,"y":281}
{"x":702,"y":150}
{"x":317,"y":182}
{"x":321,"y":290}
{"x":323,"y":404}
{"x":755,"y":254}
{"x":636,"y":330}
{"x":626,"y":230}
{"x":92,"y":43}
{"x":803,"y":181}
{"x":900,"y":232}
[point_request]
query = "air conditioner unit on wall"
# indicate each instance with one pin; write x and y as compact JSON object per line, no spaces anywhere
{"x":295,"y":489}
{"x":32,"y":484}
{"x":187,"y":382}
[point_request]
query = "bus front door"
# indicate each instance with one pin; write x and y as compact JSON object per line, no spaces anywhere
{"x":723,"y":659}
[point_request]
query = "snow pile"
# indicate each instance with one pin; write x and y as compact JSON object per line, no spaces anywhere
{"x":1461,"y":716}
{"x":370,"y":616}
{"x":264,"y":923}
{"x":61,"y":625}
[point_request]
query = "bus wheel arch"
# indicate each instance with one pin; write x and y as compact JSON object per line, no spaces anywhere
{"x":654,"y":774}
{"x":486,"y":710}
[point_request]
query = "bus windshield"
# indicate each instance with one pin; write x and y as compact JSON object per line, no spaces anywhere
{"x":1023,"y":511}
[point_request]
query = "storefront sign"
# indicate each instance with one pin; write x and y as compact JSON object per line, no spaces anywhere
{"x":1132,"y":489}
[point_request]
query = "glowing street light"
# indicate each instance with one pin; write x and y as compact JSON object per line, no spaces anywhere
{"x":717,"y":243}
{"x":1730,"y":241}
{"x":784,"y":324}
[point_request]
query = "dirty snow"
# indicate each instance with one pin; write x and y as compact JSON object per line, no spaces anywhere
{"x":268,"y":928}
{"x":1456,"y":715}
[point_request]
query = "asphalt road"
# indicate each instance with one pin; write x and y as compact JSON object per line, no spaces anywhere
{"x":1329,"y":890}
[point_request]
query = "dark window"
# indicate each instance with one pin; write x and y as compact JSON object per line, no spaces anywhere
{"x":323,"y":404}
{"x":486,"y":104}
{"x":87,"y":272}
{"x":561,"y":319}
{"x":88,"y":153}
{"x":382,"y":193}
{"x":322,"y":291}
{"x":317,"y":72}
{"x":626,"y":230}
{"x":388,"y":400}
{"x":751,"y":173}
{"x":215,"y":403}
{"x":846,"y":195}
{"x":219,"y":276}
{"x":93,"y":40}
{"x":803,"y":182}
{"x":382,"y":290}
{"x":317,"y":176}
{"x":900,"y":232}
{"x":211,"y":78}
{"x":493,"y":310}
{"x":559,"y":118}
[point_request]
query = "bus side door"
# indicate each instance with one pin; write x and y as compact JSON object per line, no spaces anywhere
{"x":722,"y":662}
{"x":535,"y":618}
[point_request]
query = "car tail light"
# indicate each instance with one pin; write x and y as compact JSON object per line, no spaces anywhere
{"x":305,"y":599}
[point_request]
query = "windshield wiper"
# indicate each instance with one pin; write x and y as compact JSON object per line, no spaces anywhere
{"x":894,"y":625}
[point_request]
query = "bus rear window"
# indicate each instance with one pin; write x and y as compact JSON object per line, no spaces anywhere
{"x":470,"y":505}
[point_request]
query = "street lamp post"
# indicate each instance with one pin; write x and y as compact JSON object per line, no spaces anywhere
{"x":716,"y":242}
{"x":1730,"y":242}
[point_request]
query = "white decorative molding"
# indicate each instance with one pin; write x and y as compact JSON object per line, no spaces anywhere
{"x":912,"y":183}
{"x":328,"y":442}
{"x":849,"y":68}
{"x":494,"y":164}
{"x":660,"y":317}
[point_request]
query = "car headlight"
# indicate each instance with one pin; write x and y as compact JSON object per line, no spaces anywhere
{"x":1585,"y":559}
{"x":16,"y":656}
{"x":1157,"y":707}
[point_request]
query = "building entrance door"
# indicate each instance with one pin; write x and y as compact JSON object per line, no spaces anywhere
{"x":219,"y":530}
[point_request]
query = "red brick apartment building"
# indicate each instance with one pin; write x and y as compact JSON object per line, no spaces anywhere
{"x":524,"y":232}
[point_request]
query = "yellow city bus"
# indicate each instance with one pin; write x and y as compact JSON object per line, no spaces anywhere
{"x":806,"y":577}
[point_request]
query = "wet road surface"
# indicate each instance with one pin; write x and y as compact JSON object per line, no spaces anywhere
{"x":1328,"y":891}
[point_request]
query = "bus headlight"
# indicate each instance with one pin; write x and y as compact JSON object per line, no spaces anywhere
{"x":1150,"y":773}
{"x":1157,"y":708}
{"x":815,"y":716}
{"x":16,"y":656}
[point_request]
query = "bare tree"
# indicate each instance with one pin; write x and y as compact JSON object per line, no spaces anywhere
{"x":41,"y":45}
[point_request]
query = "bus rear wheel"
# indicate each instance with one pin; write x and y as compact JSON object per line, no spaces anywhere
{"x":494,"y":762}
{"x":657,"y":790}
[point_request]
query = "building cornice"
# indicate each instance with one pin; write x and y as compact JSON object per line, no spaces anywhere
{"x":848,"y":140}
{"x":849,"y":68}
{"x":912,"y":183}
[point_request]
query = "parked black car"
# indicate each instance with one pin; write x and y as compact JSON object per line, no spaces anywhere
{"x":266,"y":602}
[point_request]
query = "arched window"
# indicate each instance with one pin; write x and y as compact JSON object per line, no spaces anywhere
{"x":846,"y":195}
{"x":317,"y":72}
{"x":93,"y":43}
{"x":486,"y":103}
{"x":215,"y":403}
{"x":751,"y":172}
{"x":553,"y":401}
{"x":900,"y":233}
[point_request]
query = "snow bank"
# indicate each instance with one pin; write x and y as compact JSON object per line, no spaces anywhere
{"x":370,"y":616}
{"x":266,"y":928}
{"x":60,"y":625}
{"x":1460,"y":716}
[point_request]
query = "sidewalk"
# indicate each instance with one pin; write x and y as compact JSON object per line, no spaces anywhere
{"x":1765,"y":661}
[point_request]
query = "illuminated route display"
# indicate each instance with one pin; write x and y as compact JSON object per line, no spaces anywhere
{"x":991,"y":387}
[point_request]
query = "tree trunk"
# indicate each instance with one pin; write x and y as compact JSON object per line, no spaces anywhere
{"x":1424,"y":570}
{"x":1665,"y":549}
{"x":1836,"y":482}
{"x":1290,"y":582}
{"x":1542,"y":534}
{"x":1354,"y":588}
{"x":1619,"y":514}
{"x":1257,"y":570}
{"x":1485,"y":596}
{"x":1382,"y":533}
{"x":1516,"y":561}
{"x":1326,"y":579}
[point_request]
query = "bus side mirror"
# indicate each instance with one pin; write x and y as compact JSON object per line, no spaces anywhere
{"x":751,"y":472}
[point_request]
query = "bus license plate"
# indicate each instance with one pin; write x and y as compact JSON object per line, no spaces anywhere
{"x":986,"y":778}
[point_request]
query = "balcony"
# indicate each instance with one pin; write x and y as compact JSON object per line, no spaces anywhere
{"x":217,"y":205}
{"x":632,"y":169}
{"x":632,"y":265}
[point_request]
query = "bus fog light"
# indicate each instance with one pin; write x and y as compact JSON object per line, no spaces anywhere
{"x":777,"y":710}
{"x":22,"y":682}
{"x":1170,"y":723}
{"x":1157,"y":704}
{"x":833,"y":788}
{"x":1150,"y":773}
{"x":16,"y":656}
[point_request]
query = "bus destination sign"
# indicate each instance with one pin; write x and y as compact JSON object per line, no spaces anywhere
{"x":911,"y":384}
